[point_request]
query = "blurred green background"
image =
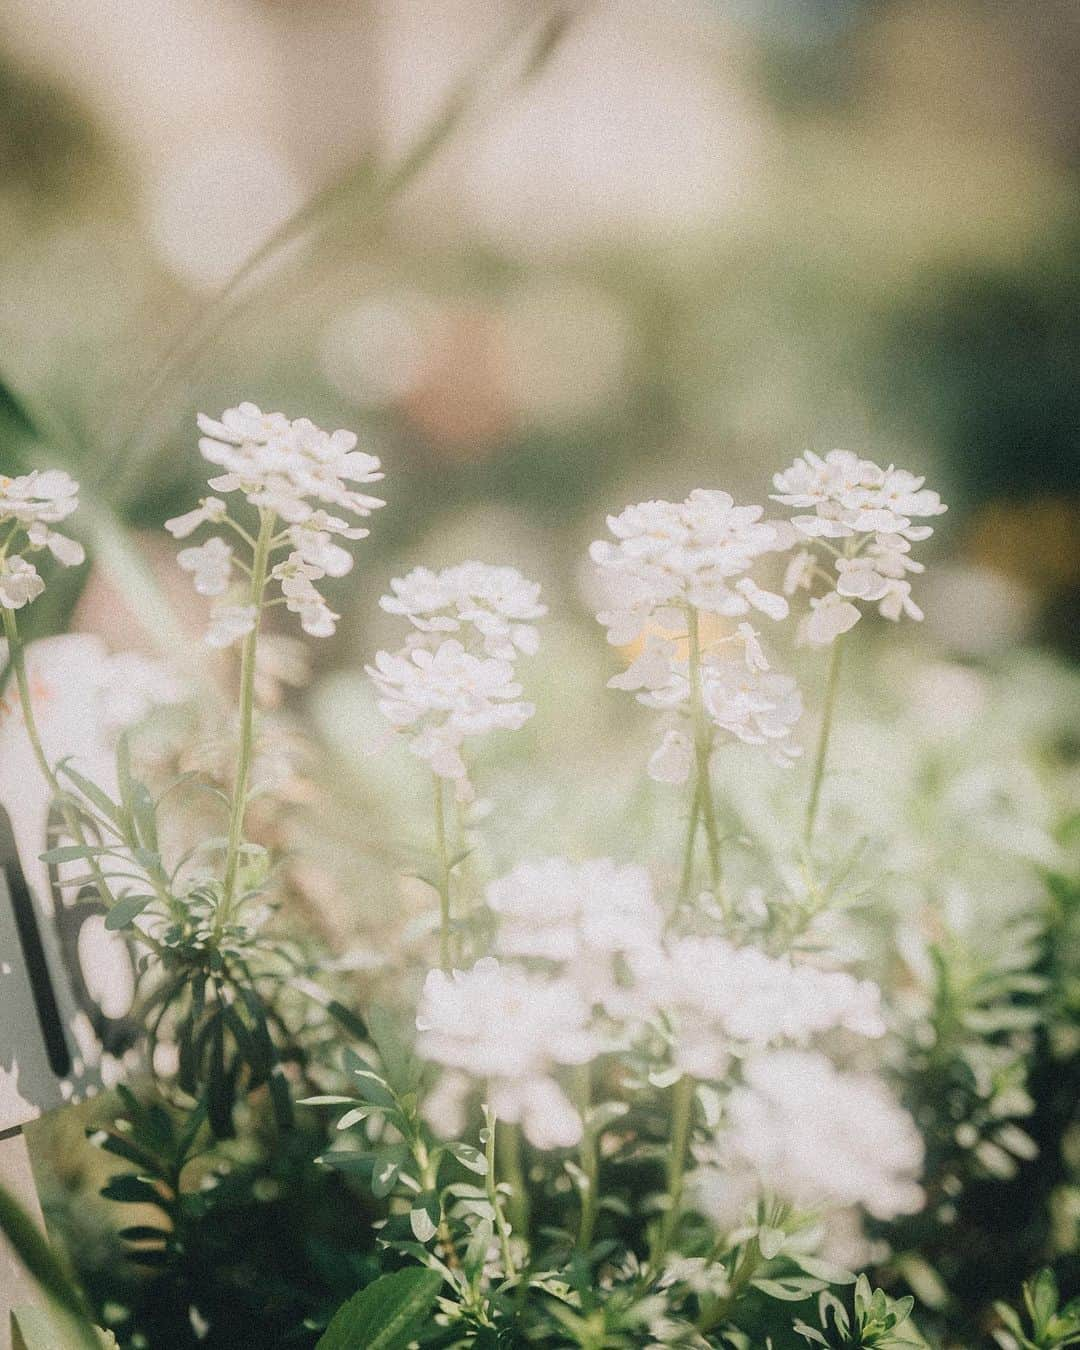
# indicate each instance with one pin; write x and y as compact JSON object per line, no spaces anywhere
{"x":564,"y":256}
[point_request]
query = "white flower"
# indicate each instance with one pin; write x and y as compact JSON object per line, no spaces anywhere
{"x":652,"y":670}
{"x":870,"y":510}
{"x":67,"y":551}
{"x":19,"y":583}
{"x":799,"y":574}
{"x":441,"y":697}
{"x":297,"y":579}
{"x":495,"y":603}
{"x":29,"y":505}
{"x":673,"y":758}
{"x":294,"y":470}
{"x":668,"y":555}
{"x":817,"y":1137}
{"x":209,"y":509}
{"x":42,"y":495}
{"x":829,"y":616}
{"x":229,"y":623}
{"x":511,"y":1029}
{"x":582,"y":915}
{"x":722,"y":999}
{"x":211,"y":565}
{"x":318,"y":549}
{"x":897,"y":600}
{"x":290,"y":467}
{"x":742,"y":697}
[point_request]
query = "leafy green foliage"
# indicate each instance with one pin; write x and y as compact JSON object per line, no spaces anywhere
{"x":32,"y":1249}
{"x":1050,"y":1328}
{"x":872,"y":1321}
{"x":387,"y":1315}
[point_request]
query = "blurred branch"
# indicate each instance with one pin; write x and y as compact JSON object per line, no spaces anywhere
{"x":519,"y":53}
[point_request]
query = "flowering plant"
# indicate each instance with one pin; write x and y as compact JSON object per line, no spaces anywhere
{"x":642,"y":1101}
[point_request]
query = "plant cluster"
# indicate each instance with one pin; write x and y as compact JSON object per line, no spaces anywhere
{"x":681,"y":1104}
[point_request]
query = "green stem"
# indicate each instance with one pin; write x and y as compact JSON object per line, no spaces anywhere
{"x":588,"y":1159}
{"x":682,"y":1110}
{"x":686,"y":877}
{"x":494,"y":1199}
{"x":703,"y":751}
{"x":741,"y":1277}
{"x":509,"y":1147}
{"x":238,"y":806}
{"x":444,"y":875}
{"x":832,"y":684}
{"x":17,"y":657}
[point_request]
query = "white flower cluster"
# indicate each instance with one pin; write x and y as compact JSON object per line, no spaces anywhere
{"x":592,"y":937}
{"x":285,"y":466}
{"x":582,"y":915}
{"x":29,"y":506}
{"x":742,"y":697}
{"x":290,"y":471}
{"x":439,"y":690}
{"x":870,"y":512}
{"x":510,"y":1029}
{"x":672,"y":555}
{"x":813,"y":1136}
{"x":496,"y":604}
{"x":722,"y":1000}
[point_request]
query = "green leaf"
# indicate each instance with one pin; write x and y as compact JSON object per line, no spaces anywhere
{"x":469,"y":1157}
{"x":387,"y":1315}
{"x":791,"y":1289}
{"x":399,"y":1063}
{"x":1041,"y":1296}
{"x":384,"y":1176}
{"x":104,"y":803}
{"x":70,"y":852}
{"x":37,"y":1256}
{"x":823,"y":1270}
{"x":129,"y":1189}
{"x":347,"y":1019}
{"x":125,"y":911}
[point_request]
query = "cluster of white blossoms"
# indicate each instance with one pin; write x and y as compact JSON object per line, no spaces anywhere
{"x":813,"y":1136}
{"x":291,"y":472}
{"x":494,"y":605}
{"x":670,"y":556}
{"x":869,"y":512}
{"x":29,"y":507}
{"x":509,"y":1029}
{"x":582,"y":916}
{"x":588,"y":938}
{"x":721,"y":1000}
{"x":742,"y":698}
{"x":455,"y":678}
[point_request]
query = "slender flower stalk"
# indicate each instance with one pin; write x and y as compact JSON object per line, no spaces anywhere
{"x":509,"y":1151}
{"x":588,"y":1159}
{"x":745,"y":1270}
{"x":686,"y":878}
{"x":832,"y":684}
{"x":703,"y":737}
{"x":682,"y":1110}
{"x":494,"y":1199}
{"x":238,"y":807}
{"x":443,"y":854}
